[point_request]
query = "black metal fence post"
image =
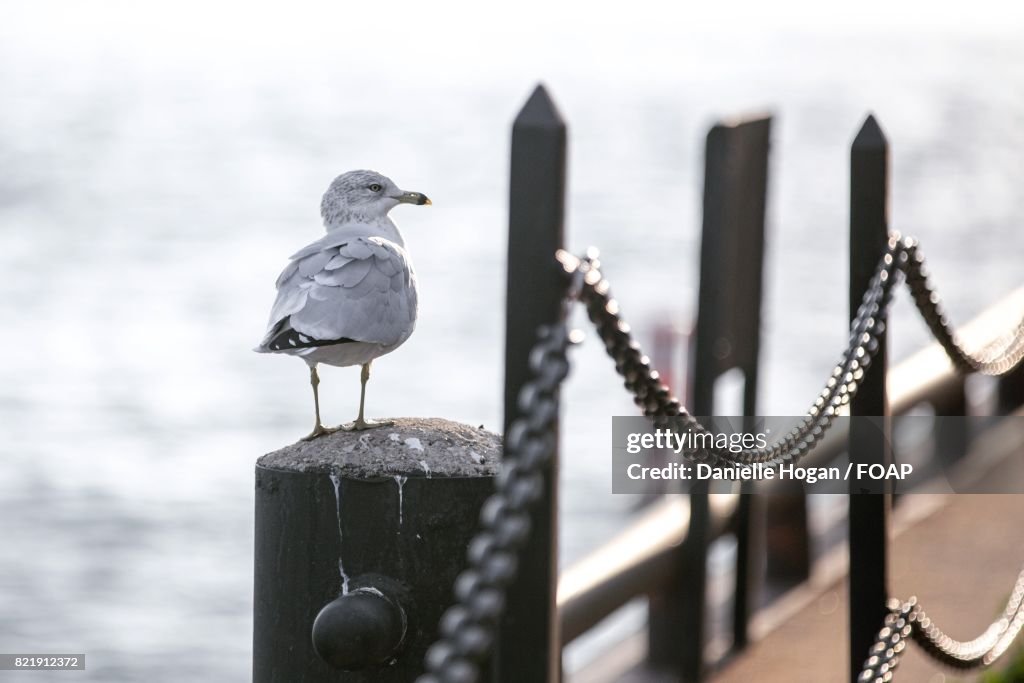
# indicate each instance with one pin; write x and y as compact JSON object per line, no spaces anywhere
{"x":869,"y":441}
{"x":729,"y":314}
{"x":528,"y":646}
{"x":1011,"y":390}
{"x":952,"y":436}
{"x":728,"y":336}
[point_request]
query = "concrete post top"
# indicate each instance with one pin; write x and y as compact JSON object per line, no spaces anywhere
{"x":413,"y":447}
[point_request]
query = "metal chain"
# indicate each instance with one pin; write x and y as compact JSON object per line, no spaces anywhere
{"x":995,"y":358}
{"x":468,"y":628}
{"x":908,"y":620}
{"x":902,"y":258}
{"x":656,"y":400}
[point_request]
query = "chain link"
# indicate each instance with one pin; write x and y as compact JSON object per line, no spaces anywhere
{"x":901,"y":259}
{"x":995,"y":358}
{"x":469,"y":627}
{"x":656,"y":400}
{"x":908,"y":620}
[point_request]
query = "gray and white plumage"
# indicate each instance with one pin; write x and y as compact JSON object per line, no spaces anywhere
{"x":344,"y":300}
{"x":350,"y":296}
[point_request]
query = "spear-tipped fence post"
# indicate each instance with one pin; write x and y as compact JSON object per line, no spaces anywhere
{"x":869,"y":441}
{"x":528,"y":645}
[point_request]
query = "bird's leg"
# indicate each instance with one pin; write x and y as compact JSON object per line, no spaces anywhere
{"x":361,"y":423}
{"x":318,"y":428}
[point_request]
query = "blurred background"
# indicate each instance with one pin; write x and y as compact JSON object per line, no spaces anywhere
{"x":161,"y":160}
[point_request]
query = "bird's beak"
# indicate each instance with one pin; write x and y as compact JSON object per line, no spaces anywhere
{"x":417,"y":198}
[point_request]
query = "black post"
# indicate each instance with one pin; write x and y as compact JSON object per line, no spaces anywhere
{"x":359,"y":538}
{"x":728,"y":336}
{"x":1011,"y":390}
{"x":952,"y":427}
{"x":869,"y":438}
{"x":752,"y":142}
{"x":528,"y":645}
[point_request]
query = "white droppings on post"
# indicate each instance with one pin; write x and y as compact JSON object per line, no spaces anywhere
{"x":370,"y":590}
{"x":336,"y":480}
{"x":400,"y":480}
{"x":450,"y":449}
{"x":426,"y":467}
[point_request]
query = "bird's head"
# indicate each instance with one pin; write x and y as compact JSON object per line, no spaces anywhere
{"x":365,"y":196}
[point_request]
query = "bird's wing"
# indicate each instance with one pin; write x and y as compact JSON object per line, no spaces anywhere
{"x":341,"y":289}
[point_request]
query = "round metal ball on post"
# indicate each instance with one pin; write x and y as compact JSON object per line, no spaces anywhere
{"x":361,"y":628}
{"x":359,"y":538}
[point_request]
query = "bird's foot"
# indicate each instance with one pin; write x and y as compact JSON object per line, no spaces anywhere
{"x":320,"y":430}
{"x":360,"y":425}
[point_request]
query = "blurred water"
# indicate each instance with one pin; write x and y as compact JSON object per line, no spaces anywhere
{"x":157,"y":173}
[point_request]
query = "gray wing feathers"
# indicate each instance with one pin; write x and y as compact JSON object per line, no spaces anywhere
{"x":349,"y":275}
{"x":337,"y":262}
{"x":362,"y":288}
{"x":332,"y":239}
{"x":288,"y":271}
{"x":313,"y":264}
{"x":357,"y":249}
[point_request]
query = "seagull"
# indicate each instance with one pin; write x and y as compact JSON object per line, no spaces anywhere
{"x":350,"y":296}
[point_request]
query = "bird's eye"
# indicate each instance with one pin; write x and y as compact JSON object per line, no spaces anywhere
{"x":375,"y":187}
